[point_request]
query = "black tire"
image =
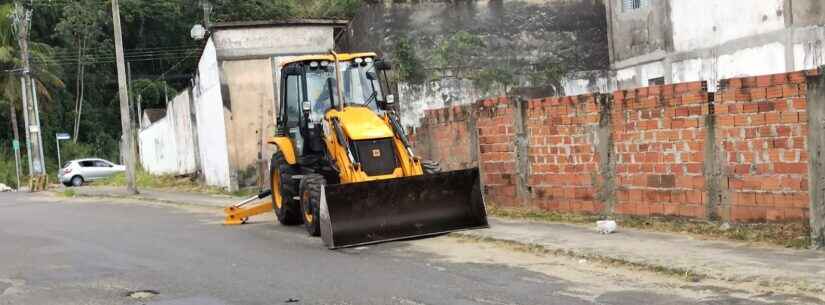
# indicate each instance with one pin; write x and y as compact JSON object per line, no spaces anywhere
{"x":67,"y":184}
{"x":288,"y":213}
{"x":311,"y":202}
{"x":430,"y":167}
{"x":77,"y":181}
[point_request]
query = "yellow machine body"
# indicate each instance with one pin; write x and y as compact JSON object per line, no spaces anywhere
{"x":358,"y":139}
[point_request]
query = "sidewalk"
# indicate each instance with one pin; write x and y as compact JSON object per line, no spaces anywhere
{"x":714,"y":259}
{"x":666,"y":252}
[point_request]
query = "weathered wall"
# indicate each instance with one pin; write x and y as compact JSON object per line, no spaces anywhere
{"x":243,"y":42}
{"x":167,"y":146}
{"x":740,"y":154}
{"x":516,"y":34}
{"x":210,"y":113}
{"x":252,"y":117}
{"x":711,"y":40}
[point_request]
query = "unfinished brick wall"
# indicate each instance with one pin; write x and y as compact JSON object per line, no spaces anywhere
{"x":562,"y":135}
{"x":497,"y":150}
{"x":448,"y":136}
{"x":740,"y":154}
{"x":659,"y":138}
{"x":762,"y":136}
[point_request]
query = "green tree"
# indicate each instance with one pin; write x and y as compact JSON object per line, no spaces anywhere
{"x":42,"y":72}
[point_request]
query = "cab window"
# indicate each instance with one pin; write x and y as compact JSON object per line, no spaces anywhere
{"x":294,"y":87}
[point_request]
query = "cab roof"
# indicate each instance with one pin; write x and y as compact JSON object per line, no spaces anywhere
{"x":329,"y":57}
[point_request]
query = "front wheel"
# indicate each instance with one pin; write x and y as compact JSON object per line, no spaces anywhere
{"x":285,"y":206}
{"x":311,"y":202}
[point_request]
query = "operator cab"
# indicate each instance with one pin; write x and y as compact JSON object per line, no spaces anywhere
{"x":309,"y":89}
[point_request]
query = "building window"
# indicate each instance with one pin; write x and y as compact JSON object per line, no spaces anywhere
{"x":656,"y":81}
{"x":629,"y":5}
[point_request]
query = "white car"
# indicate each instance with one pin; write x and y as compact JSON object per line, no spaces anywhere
{"x":76,"y":172}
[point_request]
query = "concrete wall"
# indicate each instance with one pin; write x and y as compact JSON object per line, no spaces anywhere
{"x":516,"y":32}
{"x":167,"y":146}
{"x":210,"y":115}
{"x":251,"y":122}
{"x":739,"y":155}
{"x":710,"y":40}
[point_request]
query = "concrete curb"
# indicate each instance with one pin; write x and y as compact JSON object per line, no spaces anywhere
{"x":687,"y":274}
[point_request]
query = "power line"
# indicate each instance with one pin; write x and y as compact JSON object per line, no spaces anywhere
{"x":135,"y":50}
{"x":132,"y":55}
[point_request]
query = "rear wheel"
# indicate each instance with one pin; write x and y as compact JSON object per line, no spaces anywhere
{"x":311,"y":202}
{"x":77,"y":181}
{"x":430,"y":167}
{"x":286,"y":207}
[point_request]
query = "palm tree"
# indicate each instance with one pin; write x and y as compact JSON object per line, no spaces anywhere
{"x":11,"y":63}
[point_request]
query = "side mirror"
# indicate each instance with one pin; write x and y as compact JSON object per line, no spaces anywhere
{"x":306,"y":106}
{"x":383,"y":65}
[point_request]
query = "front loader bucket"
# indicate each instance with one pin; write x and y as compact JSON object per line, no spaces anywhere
{"x":370,"y":212}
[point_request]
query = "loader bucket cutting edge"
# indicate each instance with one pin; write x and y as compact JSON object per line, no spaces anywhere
{"x":378,"y":211}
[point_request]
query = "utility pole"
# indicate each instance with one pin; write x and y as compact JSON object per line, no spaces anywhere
{"x":22,"y":20}
{"x":123,"y":93}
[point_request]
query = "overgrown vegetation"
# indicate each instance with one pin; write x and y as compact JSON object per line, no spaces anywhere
{"x":409,"y":67}
{"x":790,"y":234}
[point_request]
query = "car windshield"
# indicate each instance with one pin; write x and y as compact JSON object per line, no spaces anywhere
{"x":358,"y":88}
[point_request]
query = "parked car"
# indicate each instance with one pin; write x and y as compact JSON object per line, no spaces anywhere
{"x":77,"y":172}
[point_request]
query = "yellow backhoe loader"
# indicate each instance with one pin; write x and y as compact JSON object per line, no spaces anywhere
{"x":344,"y":167}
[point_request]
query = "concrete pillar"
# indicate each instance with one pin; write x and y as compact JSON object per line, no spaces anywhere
{"x":522,"y":146}
{"x":816,"y":163}
{"x":607,"y":156}
{"x":715,"y":209}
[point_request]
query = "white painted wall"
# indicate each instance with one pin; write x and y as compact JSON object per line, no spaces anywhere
{"x":705,"y":23}
{"x":574,"y":85}
{"x":767,"y":59}
{"x":415,"y":99}
{"x":166,"y":146}
{"x":209,"y":110}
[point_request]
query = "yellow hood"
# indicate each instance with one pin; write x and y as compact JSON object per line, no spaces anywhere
{"x":361,"y":123}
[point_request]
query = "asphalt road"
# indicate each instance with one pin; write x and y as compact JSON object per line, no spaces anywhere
{"x":86,"y":251}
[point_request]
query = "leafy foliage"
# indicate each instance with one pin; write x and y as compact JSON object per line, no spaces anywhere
{"x":458,"y":50}
{"x":409,"y":66}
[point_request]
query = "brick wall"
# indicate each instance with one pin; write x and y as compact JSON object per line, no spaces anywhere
{"x":762,"y":139}
{"x":562,"y":153}
{"x":659,"y":135}
{"x":740,"y":154}
{"x":448,"y":135}
{"x":497,"y":150}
